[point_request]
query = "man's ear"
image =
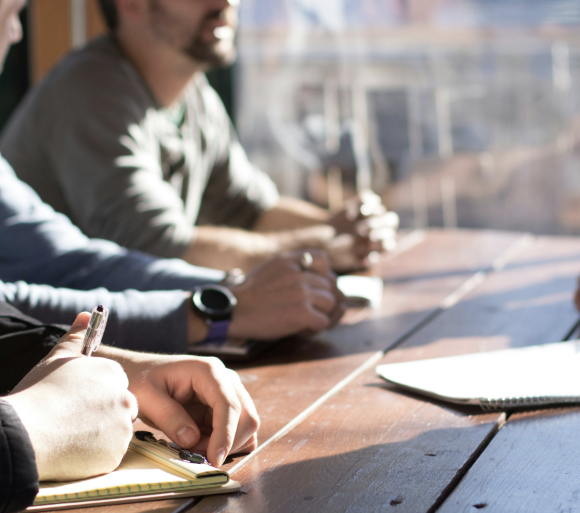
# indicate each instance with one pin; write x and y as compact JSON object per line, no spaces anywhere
{"x":133,"y":12}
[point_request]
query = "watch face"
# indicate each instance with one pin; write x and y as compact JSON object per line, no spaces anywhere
{"x":214,"y":301}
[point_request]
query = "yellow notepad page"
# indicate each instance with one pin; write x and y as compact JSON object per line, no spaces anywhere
{"x":136,"y":475}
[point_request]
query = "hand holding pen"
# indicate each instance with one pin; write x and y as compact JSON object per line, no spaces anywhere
{"x":77,"y":411}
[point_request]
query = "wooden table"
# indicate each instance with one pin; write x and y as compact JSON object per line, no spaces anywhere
{"x":336,"y":438}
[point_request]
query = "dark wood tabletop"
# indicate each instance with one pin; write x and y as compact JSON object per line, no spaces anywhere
{"x":335,"y":437}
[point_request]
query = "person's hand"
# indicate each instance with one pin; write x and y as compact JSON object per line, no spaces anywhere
{"x":363,"y":227}
{"x":577,"y":296}
{"x":281,"y":298}
{"x":195,"y":401}
{"x":77,"y":410}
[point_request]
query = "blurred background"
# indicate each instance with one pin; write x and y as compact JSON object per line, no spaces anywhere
{"x":459,"y":113}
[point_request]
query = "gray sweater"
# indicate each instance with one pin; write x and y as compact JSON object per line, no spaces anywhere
{"x":95,"y":144}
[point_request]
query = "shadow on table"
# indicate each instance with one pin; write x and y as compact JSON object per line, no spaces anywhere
{"x":525,"y":315}
{"x":469,"y":272}
{"x":472,"y":411}
{"x":410,"y":474}
{"x":466,"y":410}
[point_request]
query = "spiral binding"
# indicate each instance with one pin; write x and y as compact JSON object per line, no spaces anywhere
{"x":522,"y":402}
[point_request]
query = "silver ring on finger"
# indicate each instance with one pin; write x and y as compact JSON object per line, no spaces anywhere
{"x":306,"y":261}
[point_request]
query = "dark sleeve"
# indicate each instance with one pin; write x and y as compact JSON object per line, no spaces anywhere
{"x":18,"y":474}
{"x":154,"y":321}
{"x":24,"y":341}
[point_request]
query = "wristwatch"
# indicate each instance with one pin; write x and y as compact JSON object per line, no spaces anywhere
{"x":215,"y":304}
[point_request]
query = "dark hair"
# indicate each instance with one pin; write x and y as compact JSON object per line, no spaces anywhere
{"x":109,"y":10}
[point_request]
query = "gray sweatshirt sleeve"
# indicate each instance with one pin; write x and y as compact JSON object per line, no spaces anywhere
{"x":108,"y":156}
{"x":147,"y":321}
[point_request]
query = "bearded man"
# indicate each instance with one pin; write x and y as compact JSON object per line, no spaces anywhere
{"x":127,"y":138}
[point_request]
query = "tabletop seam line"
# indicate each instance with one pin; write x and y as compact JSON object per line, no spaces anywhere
{"x":464,"y":470}
{"x":310,"y":410}
{"x":408,"y":242}
{"x":497,"y":265}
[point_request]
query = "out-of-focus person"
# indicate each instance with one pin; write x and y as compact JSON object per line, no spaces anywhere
{"x":128,"y":139}
{"x":50,"y":270}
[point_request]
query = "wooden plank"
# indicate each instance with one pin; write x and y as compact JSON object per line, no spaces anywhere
{"x":417,"y":282}
{"x":50,"y":22}
{"x":165,"y":506}
{"x":530,"y":466}
{"x":367,"y":448}
{"x":297,"y":372}
{"x":528,"y":303}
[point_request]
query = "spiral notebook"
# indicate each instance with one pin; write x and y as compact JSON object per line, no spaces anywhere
{"x":146,"y":473}
{"x":511,"y":378}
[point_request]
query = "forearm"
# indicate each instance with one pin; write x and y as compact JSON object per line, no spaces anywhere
{"x":226,"y":248}
{"x":291,"y":213}
{"x":153,"y":321}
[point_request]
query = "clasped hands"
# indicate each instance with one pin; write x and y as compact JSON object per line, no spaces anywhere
{"x":350,"y":237}
{"x":363,"y":228}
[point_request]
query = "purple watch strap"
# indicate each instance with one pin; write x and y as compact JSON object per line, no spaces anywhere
{"x":218,"y":331}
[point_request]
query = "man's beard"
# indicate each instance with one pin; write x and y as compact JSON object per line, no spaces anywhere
{"x":174,"y":31}
{"x":211,"y":54}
